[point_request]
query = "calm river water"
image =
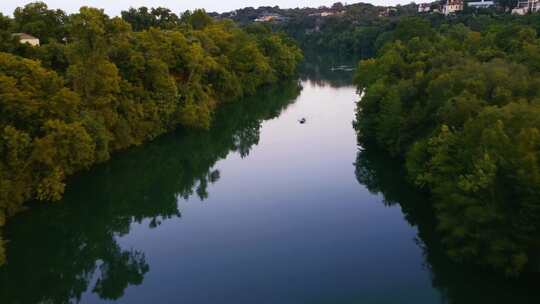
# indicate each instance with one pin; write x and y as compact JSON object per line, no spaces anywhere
{"x":260,"y":209}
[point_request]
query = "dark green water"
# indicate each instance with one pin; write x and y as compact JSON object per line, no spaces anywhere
{"x":260,"y":209}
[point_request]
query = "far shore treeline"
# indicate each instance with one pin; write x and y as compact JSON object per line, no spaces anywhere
{"x":460,"y":103}
{"x":98,"y":85}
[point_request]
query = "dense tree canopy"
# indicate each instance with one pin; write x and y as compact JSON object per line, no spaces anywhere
{"x":71,"y":102}
{"x":456,"y":282}
{"x":38,"y":20}
{"x":143,"y":18}
{"x":462,"y":107}
{"x":345,"y":29}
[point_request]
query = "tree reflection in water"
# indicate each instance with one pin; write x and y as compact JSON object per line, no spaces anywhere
{"x":58,"y":252}
{"x":456,"y":283}
{"x":328,"y":69}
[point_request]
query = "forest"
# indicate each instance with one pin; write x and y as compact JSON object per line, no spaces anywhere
{"x":456,"y":99}
{"x":459,"y":103}
{"x":98,"y":84}
{"x":359,"y":30}
{"x":351,"y":29}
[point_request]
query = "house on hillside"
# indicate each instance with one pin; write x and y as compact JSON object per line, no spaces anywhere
{"x":323,"y":14}
{"x":453,"y":6}
{"x":424,"y":7}
{"x":27,"y":38}
{"x":526,"y":6}
{"x":327,"y":13}
{"x":270,"y":18}
{"x":388,"y":11}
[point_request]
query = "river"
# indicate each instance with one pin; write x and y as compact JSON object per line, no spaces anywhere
{"x":260,"y":209}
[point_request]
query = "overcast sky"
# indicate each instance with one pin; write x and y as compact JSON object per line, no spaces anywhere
{"x":113,"y":7}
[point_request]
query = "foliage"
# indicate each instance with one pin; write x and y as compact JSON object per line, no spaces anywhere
{"x":362,"y":29}
{"x":38,"y":20}
{"x":65,"y":107}
{"x":143,"y":18}
{"x":462,"y":107}
{"x":144,"y":186}
{"x":455,"y":282}
{"x":344,"y":29}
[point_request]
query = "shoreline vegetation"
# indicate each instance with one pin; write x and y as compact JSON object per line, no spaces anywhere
{"x":461,"y":107}
{"x":141,"y":186}
{"x":96,"y":86}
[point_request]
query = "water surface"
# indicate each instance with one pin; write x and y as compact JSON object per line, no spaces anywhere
{"x":260,"y":209}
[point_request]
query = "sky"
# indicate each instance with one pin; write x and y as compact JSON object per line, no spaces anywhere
{"x":113,"y":7}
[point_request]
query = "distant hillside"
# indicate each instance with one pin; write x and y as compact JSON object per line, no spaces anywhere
{"x":351,"y":12}
{"x":347,"y":29}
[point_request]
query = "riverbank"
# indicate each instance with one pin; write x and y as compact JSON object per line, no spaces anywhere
{"x":67,"y":107}
{"x":459,"y":106}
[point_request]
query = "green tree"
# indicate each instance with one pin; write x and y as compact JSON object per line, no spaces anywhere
{"x":461,"y":107}
{"x":38,"y":20}
{"x":198,"y":19}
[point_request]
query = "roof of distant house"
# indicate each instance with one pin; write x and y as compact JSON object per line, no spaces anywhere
{"x":482,"y":2}
{"x":24,"y":36}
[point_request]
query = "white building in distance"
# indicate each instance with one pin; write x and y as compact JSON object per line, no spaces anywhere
{"x":270,"y":18}
{"x":26,"y":38}
{"x":424,"y":7}
{"x":526,"y":6}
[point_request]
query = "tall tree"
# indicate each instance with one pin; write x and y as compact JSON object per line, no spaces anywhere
{"x":38,"y":20}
